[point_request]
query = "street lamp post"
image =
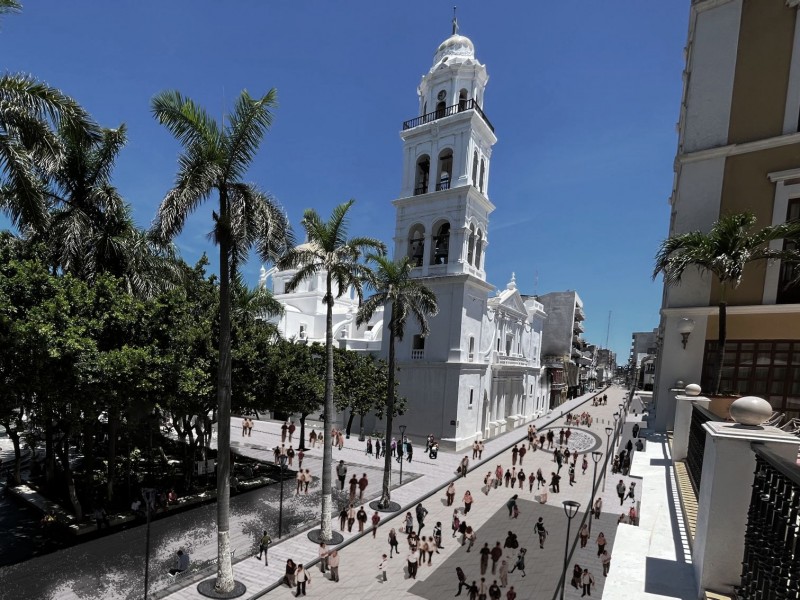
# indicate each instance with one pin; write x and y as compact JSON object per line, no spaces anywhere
{"x":616,"y":424}
{"x":608,"y":447}
{"x":282,"y":459}
{"x":570,"y":509}
{"x":596,"y":456}
{"x":402,"y":429}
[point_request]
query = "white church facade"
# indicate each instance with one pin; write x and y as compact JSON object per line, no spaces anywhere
{"x":478,"y":372}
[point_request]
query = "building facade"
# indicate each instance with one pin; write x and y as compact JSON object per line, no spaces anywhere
{"x":738,"y":150}
{"x":564,"y":351}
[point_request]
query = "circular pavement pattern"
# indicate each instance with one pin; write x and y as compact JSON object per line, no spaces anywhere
{"x":581,"y":440}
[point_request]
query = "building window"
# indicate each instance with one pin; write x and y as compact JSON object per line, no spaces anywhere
{"x":422,"y":175}
{"x":441,"y":245}
{"x":303,"y":333}
{"x":445,"y":169}
{"x":471,"y":396}
{"x":441,"y":107}
{"x":416,"y":245}
{"x":478,"y":249}
{"x":509,"y":342}
{"x":789,"y":294}
{"x":475,"y":169}
{"x":471,"y":244}
{"x":769,"y":369}
{"x":483,"y":172}
{"x":462,"y":100}
{"x":418,"y":347}
{"x":498,"y":344}
{"x":471,"y":349}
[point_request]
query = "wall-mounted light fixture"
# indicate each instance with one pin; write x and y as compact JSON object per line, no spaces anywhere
{"x":685,"y":328}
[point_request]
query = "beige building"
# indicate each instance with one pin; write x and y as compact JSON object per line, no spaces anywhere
{"x":738,"y":149}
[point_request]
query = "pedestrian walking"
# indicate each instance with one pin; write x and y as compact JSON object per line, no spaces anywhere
{"x":284,"y":431}
{"x":571,"y":474}
{"x":496,"y":555}
{"x":456,"y":523}
{"x":520,"y":563}
{"x":462,"y":580}
{"x":507,"y":477}
{"x":382,"y":567}
{"x":463,"y":467}
{"x":353,"y":483}
{"x":462,"y":530}
{"x":323,"y":557}
{"x":511,"y":505}
{"x":341,"y":472}
{"x":291,"y":569}
{"x":333,"y":565}
{"x":421,"y":512}
{"x":290,"y":455}
{"x":511,"y":594}
{"x":302,"y":578}
{"x":409,"y":451}
{"x":292,"y":429}
{"x":342,"y":518}
{"x":362,"y":486}
{"x":480,"y":449}
{"x":351,"y":518}
{"x":299,"y":478}
{"x":485,"y":552}
{"x":584,"y":535}
{"x":437,"y":535}
{"x":531,"y":481}
{"x":482,"y":589}
{"x":413,"y":563}
{"x":601,"y":543}
{"x":511,"y":541}
{"x":605,"y":558}
{"x":376,"y":518}
{"x":522,"y":452}
{"x":540,"y":530}
{"x":514,"y":455}
{"x":300,"y":456}
{"x":263,"y":547}
{"x":540,"y":480}
{"x":368,"y":449}
{"x":584,"y":465}
{"x":312,"y":439}
{"x":394,"y":545}
{"x":621,"y":491}
{"x":503,"y":573}
{"x":521,"y":478}
{"x":555,"y":480}
{"x":361,"y":515}
{"x":598,"y":507}
{"x":394,"y":446}
{"x":561,"y":437}
{"x":450,"y":493}
{"x":306,"y":480}
{"x":494,"y":591}
{"x":633,"y":515}
{"x":471,"y":536}
{"x":467,"y":502}
{"x":424,"y":548}
{"x":378,"y":448}
{"x":632,"y":490}
{"x":475,"y":447}
{"x":409,"y":520}
{"x":587,"y":583}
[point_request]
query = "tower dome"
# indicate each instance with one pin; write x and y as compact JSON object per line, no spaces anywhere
{"x":455,"y":45}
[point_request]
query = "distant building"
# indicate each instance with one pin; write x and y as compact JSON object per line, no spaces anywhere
{"x":738,"y":150}
{"x":563,"y":348}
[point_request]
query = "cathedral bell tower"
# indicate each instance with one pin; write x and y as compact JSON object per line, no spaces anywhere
{"x":442,"y":226}
{"x":443,"y":209}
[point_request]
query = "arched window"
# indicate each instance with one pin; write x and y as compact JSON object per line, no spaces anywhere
{"x":441,"y":108}
{"x":445,"y":169}
{"x":471,"y":244}
{"x":478,"y":250}
{"x":416,"y":245}
{"x":483,"y":172}
{"x":425,"y":107}
{"x":475,"y":169}
{"x":471,"y":348}
{"x":441,"y":244}
{"x":462,"y":100}
{"x":422,"y":175}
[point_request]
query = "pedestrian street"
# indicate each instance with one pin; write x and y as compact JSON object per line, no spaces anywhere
{"x":359,"y":574}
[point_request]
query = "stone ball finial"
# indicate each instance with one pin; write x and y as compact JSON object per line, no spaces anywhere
{"x":750,"y":410}
{"x":679,"y":384}
{"x":692,"y":390}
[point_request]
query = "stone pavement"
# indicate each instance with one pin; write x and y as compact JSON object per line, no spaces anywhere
{"x":360,"y":556}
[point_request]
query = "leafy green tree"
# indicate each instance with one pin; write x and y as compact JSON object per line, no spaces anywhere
{"x":329,"y":251}
{"x":724,"y":252}
{"x":405,"y":296}
{"x":216,"y":158}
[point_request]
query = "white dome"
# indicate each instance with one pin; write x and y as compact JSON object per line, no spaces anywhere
{"x":455,"y":45}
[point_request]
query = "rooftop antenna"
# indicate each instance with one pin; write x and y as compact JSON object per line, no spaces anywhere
{"x":455,"y":21}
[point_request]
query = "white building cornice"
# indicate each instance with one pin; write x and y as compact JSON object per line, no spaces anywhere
{"x":751,"y":309}
{"x":734,"y":149}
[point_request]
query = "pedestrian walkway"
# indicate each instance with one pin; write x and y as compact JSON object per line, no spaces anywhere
{"x":360,"y":555}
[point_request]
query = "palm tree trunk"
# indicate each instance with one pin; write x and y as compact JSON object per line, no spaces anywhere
{"x":327,"y":450}
{"x":386,"y":496}
{"x":723,"y":336}
{"x":224,"y":581}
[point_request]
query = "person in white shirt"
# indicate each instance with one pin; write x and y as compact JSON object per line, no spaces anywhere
{"x":587,"y":583}
{"x":382,"y":567}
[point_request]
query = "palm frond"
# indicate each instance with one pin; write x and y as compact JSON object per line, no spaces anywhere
{"x":187,"y":121}
{"x":247,"y":124}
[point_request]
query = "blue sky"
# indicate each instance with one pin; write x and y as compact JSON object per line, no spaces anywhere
{"x":584,"y":98}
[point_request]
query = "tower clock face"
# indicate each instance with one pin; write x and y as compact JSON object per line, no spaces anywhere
{"x":442,"y":95}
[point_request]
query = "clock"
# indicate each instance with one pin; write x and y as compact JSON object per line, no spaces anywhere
{"x":442,"y":95}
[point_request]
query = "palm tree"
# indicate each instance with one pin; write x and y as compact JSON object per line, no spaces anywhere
{"x":394,"y":285}
{"x":9,"y":6}
{"x":30,"y":150}
{"x":328,"y":251}
{"x":216,"y":158}
{"x":724,"y":252}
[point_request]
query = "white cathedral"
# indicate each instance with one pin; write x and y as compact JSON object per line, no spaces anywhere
{"x":478,"y":372}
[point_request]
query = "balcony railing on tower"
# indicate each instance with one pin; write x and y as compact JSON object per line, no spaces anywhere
{"x":446,"y":112}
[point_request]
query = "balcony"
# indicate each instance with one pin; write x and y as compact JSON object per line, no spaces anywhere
{"x":417,"y":354}
{"x":579,"y":314}
{"x":577,"y":327}
{"x":512,"y":361}
{"x":447,"y":112}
